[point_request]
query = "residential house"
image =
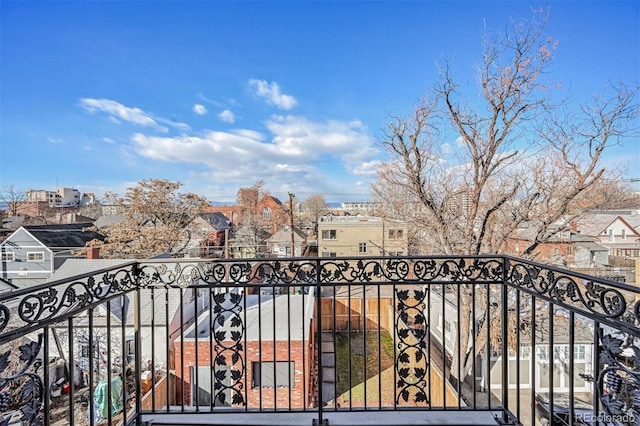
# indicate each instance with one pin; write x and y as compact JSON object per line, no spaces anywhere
{"x":620,"y":233}
{"x":267,"y":210}
{"x":272,"y":345}
{"x":547,"y":359}
{"x":31,"y":254}
{"x":567,"y":249}
{"x":279,"y":244}
{"x":164,"y":314}
{"x":361,"y":236}
{"x":216,"y":227}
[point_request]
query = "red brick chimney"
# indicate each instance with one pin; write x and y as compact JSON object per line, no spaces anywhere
{"x":93,"y":252}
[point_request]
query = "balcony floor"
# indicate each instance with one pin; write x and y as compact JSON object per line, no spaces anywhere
{"x":343,"y":418}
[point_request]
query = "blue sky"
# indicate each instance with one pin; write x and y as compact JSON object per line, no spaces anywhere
{"x":219,"y":95}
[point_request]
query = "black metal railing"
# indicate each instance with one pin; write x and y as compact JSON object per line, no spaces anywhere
{"x":480,"y":340}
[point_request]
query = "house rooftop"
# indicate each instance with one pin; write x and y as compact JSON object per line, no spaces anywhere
{"x":288,"y":316}
{"x":67,"y":236}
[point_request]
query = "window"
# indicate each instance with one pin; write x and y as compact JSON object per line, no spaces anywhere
{"x":7,"y":256}
{"x":84,"y":351}
{"x":624,"y":234}
{"x":362,"y":248}
{"x":447,"y":329}
{"x":268,"y":374}
{"x":579,"y":352}
{"x":542,"y":353}
{"x":329,"y":234}
{"x":396,"y":234}
{"x":266,"y":213}
{"x":610,"y":235}
{"x":329,"y":254}
{"x":395,"y":253}
{"x":35,"y":256}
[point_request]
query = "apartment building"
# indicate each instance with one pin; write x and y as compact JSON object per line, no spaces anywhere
{"x":361,"y":236}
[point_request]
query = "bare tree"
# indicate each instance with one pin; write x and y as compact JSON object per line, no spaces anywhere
{"x":313,"y":207}
{"x":157,"y":220}
{"x":12,"y":197}
{"x":250,"y":237}
{"x":474,"y":169}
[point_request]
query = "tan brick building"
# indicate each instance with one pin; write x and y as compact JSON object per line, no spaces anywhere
{"x":361,"y":236}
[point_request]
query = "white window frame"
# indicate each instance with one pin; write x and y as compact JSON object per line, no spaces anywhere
{"x":329,"y":233}
{"x":40,"y":253}
{"x":362,"y":247}
{"x":447,"y":329}
{"x":8,"y":256}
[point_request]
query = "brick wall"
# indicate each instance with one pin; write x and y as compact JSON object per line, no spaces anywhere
{"x":266,"y":398}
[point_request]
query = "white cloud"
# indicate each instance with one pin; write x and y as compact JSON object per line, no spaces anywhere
{"x":108,"y":140}
{"x":367,"y":169}
{"x":54,"y":140}
{"x":118,"y":111}
{"x":199,"y":109}
{"x":180,"y":126}
{"x":271,"y":92}
{"x":298,"y":152}
{"x":227,"y":116}
{"x":346,"y":140}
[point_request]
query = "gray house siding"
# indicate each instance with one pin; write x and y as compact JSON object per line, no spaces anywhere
{"x":24,"y":256}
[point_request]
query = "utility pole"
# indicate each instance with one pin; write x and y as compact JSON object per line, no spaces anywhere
{"x":293,"y":252}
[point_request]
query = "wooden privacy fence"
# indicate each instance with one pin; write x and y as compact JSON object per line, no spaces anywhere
{"x":350,"y":313}
{"x":357,"y":314}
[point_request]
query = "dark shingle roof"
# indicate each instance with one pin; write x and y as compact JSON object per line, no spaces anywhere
{"x":216,"y":219}
{"x":67,"y":236}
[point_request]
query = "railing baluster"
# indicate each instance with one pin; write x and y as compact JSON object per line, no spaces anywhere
{"x":72,"y":371}
{"x":504,"y":301}
{"x":571,"y":366}
{"x":137,"y":335}
{"x":318,"y":339}
{"x":108,"y":372}
{"x":167,"y":322}
{"x":196,"y":398}
{"x":92,"y":370}
{"x":152,"y":295}
{"x":47,"y":375}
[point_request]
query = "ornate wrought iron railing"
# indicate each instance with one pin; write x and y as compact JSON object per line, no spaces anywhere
{"x":485,"y":339}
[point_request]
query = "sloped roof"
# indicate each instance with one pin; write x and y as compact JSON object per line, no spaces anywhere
{"x":66,"y":236}
{"x":592,"y":246}
{"x":263,"y":315}
{"x":595,"y":224}
{"x":284,"y":235}
{"x":218,"y":220}
{"x":107,"y":220}
{"x":74,"y":267}
{"x":12,"y":223}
